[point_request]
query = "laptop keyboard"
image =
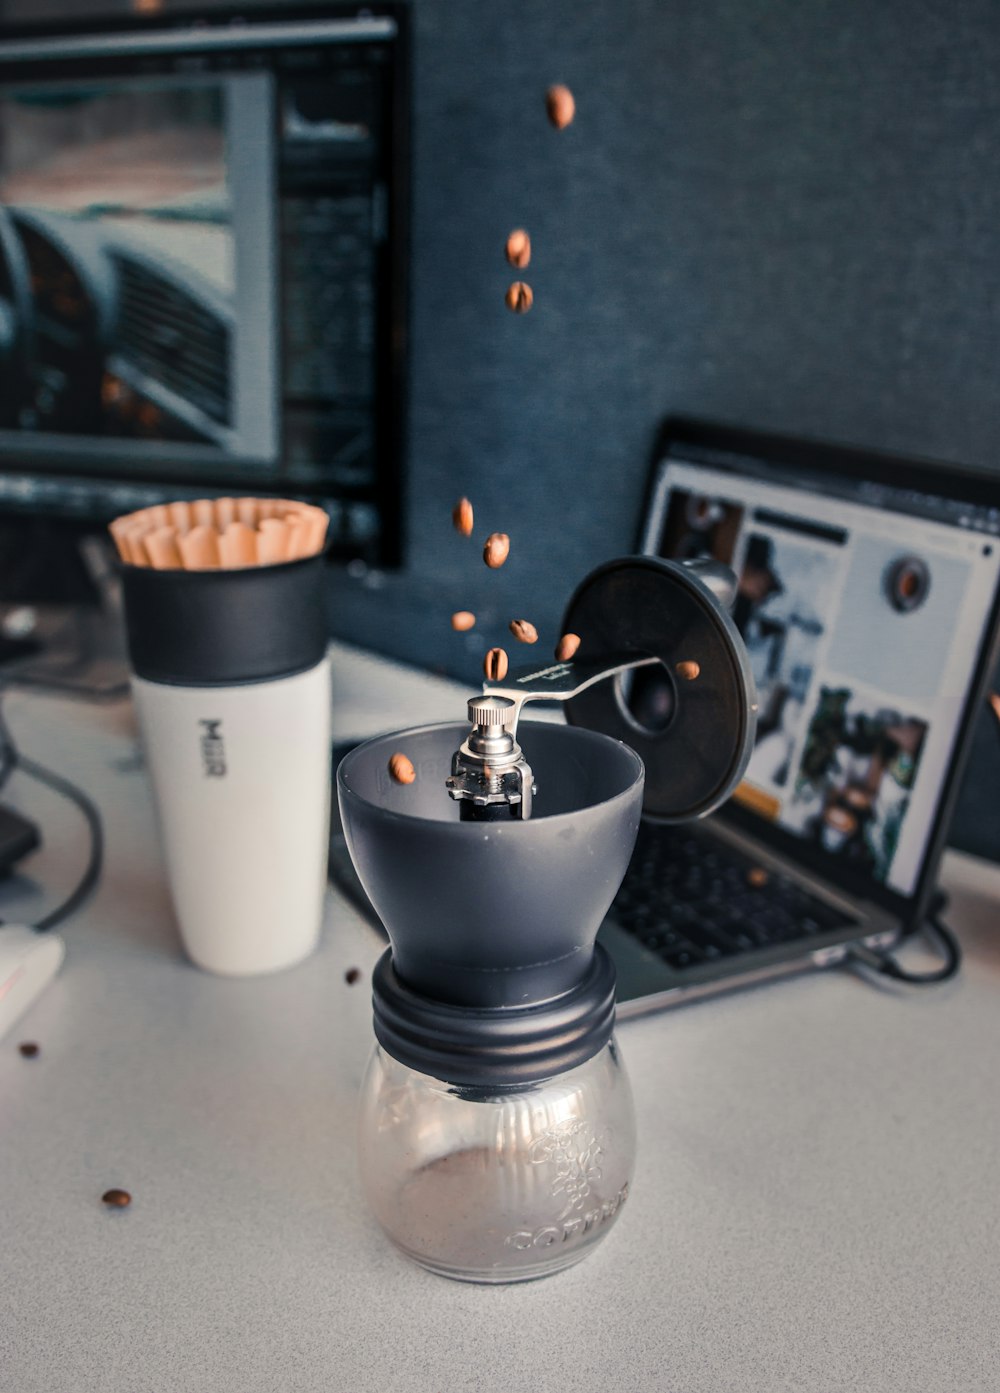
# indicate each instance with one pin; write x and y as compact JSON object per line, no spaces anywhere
{"x":694,"y":900}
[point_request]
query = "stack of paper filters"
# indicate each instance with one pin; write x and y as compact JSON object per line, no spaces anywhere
{"x":212,"y":533}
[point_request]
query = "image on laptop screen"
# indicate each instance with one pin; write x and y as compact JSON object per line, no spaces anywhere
{"x":864,"y":609}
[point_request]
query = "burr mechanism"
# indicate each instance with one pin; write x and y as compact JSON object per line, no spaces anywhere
{"x":490,"y":777}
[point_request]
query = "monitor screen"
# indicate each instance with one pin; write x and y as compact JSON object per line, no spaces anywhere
{"x":199,"y":267}
{"x":865,"y":609}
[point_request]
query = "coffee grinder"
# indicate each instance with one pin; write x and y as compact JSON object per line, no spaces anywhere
{"x":497,"y":1133}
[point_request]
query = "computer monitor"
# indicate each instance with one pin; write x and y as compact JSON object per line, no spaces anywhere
{"x":202,"y":265}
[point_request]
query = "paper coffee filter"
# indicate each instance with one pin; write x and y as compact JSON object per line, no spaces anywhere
{"x":207,"y":534}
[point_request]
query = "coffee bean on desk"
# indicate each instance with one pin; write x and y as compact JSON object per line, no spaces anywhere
{"x":496,"y":549}
{"x":117,"y":1199}
{"x":402,"y":769}
{"x":520,"y":297}
{"x":560,"y":105}
{"x":28,"y":1049}
{"x":462,"y":517}
{"x":463,"y":619}
{"x":352,"y":975}
{"x":495,"y":665}
{"x":688,"y":670}
{"x":523,"y":631}
{"x":567,"y":646}
{"x":519,"y":248}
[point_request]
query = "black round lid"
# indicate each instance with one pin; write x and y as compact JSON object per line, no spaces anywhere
{"x":224,"y":627}
{"x":693,"y":717}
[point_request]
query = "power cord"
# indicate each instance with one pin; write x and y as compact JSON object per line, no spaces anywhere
{"x":872,"y":960}
{"x":11,"y":759}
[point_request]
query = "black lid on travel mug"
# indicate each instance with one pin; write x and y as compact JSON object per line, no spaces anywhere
{"x":220,"y":628}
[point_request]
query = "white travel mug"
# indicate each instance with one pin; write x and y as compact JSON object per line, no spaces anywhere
{"x":232,"y":687}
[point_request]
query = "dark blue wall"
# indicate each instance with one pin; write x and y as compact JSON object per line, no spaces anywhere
{"x":770,"y":212}
{"x":781,"y":213}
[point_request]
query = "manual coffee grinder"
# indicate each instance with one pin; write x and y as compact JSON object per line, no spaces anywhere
{"x":497,"y":1133}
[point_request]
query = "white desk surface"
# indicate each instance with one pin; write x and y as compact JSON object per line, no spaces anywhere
{"x":816,"y":1207}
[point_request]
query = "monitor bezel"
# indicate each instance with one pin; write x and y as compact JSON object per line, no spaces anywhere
{"x":30,"y":50}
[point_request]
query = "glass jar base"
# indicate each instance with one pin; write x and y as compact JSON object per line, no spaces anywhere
{"x":494,"y":1188}
{"x":495,"y":1276}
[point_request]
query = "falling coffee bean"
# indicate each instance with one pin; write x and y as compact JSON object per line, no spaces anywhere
{"x":28,"y":1049}
{"x":519,"y":248}
{"x":495,"y":665}
{"x":461,"y":516}
{"x":352,"y":975}
{"x":757,"y":877}
{"x":560,"y":105}
{"x":687,"y":671}
{"x":463,"y":619}
{"x":567,"y":646}
{"x":523,"y":631}
{"x":520,"y":297}
{"x":496,"y":549}
{"x":117,"y":1199}
{"x":402,"y":769}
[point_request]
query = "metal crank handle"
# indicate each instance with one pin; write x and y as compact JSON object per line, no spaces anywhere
{"x":560,"y":681}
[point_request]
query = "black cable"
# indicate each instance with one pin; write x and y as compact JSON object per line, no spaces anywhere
{"x":10,"y":760}
{"x":886,"y":966}
{"x":92,"y":871}
{"x":7,"y":759}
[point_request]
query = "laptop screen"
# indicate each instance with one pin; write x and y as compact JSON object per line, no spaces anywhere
{"x":866,"y":604}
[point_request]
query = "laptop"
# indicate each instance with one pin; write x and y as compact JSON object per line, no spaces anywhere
{"x":868,"y":598}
